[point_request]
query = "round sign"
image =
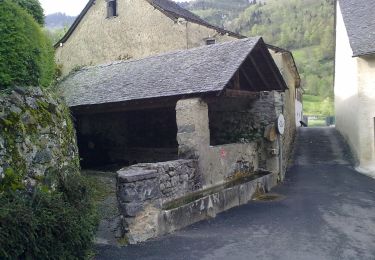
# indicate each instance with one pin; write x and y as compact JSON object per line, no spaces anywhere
{"x":280,"y":124}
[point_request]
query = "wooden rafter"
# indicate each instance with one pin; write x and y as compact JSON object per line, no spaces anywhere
{"x":240,"y":93}
{"x":248,"y":79}
{"x":260,"y":73}
{"x":236,"y":80}
{"x":271,"y":65}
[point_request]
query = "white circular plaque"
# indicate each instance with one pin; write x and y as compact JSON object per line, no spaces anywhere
{"x":280,"y":124}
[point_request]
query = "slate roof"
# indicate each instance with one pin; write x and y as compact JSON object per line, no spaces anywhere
{"x":168,"y":7}
{"x":359,"y":19}
{"x":206,"y":69}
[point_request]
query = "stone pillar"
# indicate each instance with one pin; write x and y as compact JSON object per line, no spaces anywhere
{"x":193,"y":134}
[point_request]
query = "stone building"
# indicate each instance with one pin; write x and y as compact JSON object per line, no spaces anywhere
{"x":188,"y":107}
{"x":207,"y":113}
{"x":135,"y":29}
{"x":112,"y":30}
{"x":354,"y":79}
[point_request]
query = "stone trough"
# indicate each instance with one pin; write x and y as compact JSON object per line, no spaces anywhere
{"x":156,"y":199}
{"x":226,"y":197}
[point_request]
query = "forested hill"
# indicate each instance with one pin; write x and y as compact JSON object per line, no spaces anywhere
{"x":218,"y":12}
{"x":306,"y":27}
{"x":58,"y":21}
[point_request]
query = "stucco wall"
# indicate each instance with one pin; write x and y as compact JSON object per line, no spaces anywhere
{"x":366,"y":113}
{"x":216,"y":163}
{"x":286,"y":103}
{"x":138,"y":31}
{"x":346,"y":86}
{"x":221,"y":162}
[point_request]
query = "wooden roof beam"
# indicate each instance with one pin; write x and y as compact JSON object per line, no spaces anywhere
{"x":241,"y":93}
{"x":248,"y":79}
{"x":260,"y":73}
{"x":271,"y":65}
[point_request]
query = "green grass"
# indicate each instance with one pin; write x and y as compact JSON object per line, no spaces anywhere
{"x":317,"y":106}
{"x":317,"y":122}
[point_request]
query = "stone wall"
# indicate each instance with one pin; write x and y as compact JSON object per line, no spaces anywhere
{"x":232,"y":120}
{"x":145,"y":188}
{"x":218,"y":162}
{"x":37,"y":137}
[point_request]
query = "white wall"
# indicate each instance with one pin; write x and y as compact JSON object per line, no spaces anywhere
{"x":366,"y":114}
{"x":299,"y":112}
{"x":346,"y":86}
{"x":355,"y":99}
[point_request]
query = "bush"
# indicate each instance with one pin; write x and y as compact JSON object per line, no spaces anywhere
{"x":34,"y":8}
{"x":47,"y":224}
{"x":26,"y":54}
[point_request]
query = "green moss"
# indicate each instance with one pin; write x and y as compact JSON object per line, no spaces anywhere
{"x":123,"y":241}
{"x":13,"y":128}
{"x":11,"y":181}
{"x":46,"y":115}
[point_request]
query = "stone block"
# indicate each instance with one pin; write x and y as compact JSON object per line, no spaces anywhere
{"x":174,"y":181}
{"x":131,"y":209}
{"x":139,"y":191}
{"x":43,"y":157}
{"x":186,"y":129}
{"x":133,"y":175}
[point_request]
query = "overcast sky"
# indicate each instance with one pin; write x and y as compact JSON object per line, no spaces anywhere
{"x":70,"y":7}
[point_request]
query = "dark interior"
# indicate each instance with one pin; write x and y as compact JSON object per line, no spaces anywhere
{"x":119,"y":139}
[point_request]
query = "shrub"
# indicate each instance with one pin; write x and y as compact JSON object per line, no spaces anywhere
{"x":34,"y":8}
{"x":47,"y":224}
{"x":26,"y":54}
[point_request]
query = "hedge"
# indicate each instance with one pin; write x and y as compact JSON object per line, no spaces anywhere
{"x":26,"y":54}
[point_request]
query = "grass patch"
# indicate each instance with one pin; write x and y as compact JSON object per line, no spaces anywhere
{"x":317,"y":122}
{"x":317,"y":106}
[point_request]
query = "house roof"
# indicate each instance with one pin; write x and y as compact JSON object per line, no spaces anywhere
{"x":359,"y":19}
{"x":202,"y":70}
{"x":168,"y":7}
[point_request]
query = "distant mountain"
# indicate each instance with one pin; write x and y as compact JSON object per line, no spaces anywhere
{"x":58,"y":21}
{"x":218,"y":12}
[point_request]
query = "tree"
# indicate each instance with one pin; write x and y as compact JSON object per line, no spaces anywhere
{"x":34,"y":8}
{"x":26,"y":54}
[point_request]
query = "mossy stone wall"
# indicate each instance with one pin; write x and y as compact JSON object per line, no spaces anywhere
{"x":37,"y":138}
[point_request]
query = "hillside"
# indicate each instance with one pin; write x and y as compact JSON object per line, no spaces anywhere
{"x":218,"y":12}
{"x":306,"y":27}
{"x":58,"y":21}
{"x":57,"y":24}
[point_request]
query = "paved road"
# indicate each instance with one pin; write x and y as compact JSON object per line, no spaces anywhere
{"x":328,"y":213}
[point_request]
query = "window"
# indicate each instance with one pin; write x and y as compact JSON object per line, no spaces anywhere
{"x":111,"y":8}
{"x":210,"y":41}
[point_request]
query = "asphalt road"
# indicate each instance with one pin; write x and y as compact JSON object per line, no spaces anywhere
{"x":327,"y":211}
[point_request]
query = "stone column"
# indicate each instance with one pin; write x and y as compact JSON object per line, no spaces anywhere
{"x":193,"y":134}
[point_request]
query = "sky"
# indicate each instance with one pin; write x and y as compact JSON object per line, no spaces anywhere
{"x":70,"y":7}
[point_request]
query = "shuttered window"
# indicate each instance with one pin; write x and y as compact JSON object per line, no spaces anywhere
{"x":111,"y":8}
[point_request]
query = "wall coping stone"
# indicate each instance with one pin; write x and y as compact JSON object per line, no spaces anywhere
{"x":127,"y":175}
